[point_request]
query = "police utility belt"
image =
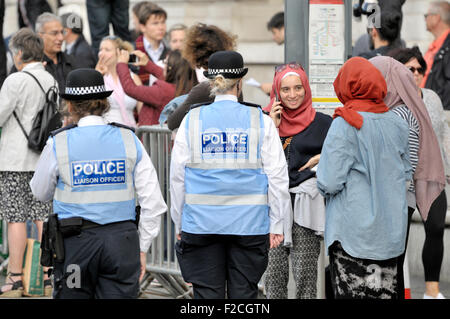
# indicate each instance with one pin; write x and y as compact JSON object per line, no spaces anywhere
{"x":54,"y":232}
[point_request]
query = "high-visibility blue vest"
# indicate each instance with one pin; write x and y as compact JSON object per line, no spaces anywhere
{"x":96,"y":166}
{"x":226,"y":187}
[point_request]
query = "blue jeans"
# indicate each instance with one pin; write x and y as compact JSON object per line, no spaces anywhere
{"x":103,"y":12}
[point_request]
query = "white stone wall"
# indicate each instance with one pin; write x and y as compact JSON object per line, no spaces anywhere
{"x":247,"y":19}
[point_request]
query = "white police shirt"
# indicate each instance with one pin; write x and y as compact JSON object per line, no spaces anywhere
{"x":274,"y":166}
{"x":43,"y":185}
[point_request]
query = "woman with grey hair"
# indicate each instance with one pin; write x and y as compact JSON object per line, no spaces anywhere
{"x":21,"y":99}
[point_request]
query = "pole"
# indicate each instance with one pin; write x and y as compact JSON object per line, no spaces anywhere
{"x":296,"y":21}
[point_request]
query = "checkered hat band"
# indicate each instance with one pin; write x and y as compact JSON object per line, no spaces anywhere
{"x":85,"y":90}
{"x":218,"y":71}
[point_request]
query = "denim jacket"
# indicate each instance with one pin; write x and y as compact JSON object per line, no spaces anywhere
{"x":363,"y":174}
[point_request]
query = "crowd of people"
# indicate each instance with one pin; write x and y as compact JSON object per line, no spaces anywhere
{"x":252,"y":189}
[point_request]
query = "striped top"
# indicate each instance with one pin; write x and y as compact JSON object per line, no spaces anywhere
{"x":413,"y":138}
{"x":435,"y":109}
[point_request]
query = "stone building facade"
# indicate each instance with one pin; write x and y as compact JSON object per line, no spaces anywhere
{"x":247,"y":19}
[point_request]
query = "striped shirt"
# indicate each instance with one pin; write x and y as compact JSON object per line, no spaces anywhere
{"x":413,"y":137}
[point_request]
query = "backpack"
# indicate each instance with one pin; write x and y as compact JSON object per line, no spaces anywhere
{"x":46,"y":120}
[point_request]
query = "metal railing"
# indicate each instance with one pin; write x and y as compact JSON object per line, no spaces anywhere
{"x":162,"y":264}
{"x":161,"y":260}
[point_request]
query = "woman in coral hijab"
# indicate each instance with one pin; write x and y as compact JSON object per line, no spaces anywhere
{"x":363,"y":172}
{"x":302,"y":131}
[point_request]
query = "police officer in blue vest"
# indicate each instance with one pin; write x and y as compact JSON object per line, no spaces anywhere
{"x":95,"y":173}
{"x":229,"y":188}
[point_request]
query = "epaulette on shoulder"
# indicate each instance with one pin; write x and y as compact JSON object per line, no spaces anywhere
{"x":250,"y":104}
{"x":193,"y":106}
{"x":67,"y":127}
{"x":122,"y":126}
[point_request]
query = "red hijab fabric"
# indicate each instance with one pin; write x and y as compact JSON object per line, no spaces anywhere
{"x":293,"y":121}
{"x":360,"y":87}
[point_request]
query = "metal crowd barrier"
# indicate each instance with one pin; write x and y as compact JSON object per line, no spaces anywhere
{"x":162,"y":263}
{"x":161,"y":260}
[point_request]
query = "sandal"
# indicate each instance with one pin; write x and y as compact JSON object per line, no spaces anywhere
{"x":48,"y":286}
{"x":16,"y":289}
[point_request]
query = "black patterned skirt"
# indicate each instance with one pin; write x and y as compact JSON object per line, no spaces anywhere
{"x":356,"y":278}
{"x":17,"y":203}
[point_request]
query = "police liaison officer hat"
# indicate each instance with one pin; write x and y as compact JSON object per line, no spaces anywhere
{"x":85,"y":84}
{"x":229,"y":64}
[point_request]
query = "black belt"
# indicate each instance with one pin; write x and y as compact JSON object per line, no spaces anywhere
{"x":88,"y":224}
{"x":74,"y":225}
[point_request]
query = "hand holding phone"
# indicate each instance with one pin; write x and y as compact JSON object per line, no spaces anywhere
{"x":141,"y":58}
{"x":133,"y":58}
{"x":277,"y":100}
{"x":275,"y":112}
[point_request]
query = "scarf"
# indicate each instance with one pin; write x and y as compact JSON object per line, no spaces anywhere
{"x":429,"y":177}
{"x":360,"y":87}
{"x":292,"y":121}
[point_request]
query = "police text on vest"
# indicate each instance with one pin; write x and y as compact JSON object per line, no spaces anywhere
{"x":88,"y":173}
{"x":224,"y":142}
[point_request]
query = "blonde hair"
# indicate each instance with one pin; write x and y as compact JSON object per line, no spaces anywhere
{"x":85,"y":107}
{"x":221,"y":85}
{"x":119,"y":43}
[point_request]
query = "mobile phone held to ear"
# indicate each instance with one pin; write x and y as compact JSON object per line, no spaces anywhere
{"x":277,"y":100}
{"x":133,"y":58}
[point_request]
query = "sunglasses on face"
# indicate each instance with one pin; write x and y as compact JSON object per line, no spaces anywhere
{"x":419,"y":70}
{"x":292,"y":65}
{"x":110,"y":37}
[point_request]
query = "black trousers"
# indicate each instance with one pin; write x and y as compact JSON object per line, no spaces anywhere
{"x":433,"y":250}
{"x":103,"y":12}
{"x":223,"y":265}
{"x":433,"y":247}
{"x":100,"y":263}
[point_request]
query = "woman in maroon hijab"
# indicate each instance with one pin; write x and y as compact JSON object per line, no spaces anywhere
{"x":302,"y":131}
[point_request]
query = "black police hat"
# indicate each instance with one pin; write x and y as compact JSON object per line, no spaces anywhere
{"x":85,"y":84}
{"x":230,"y":64}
